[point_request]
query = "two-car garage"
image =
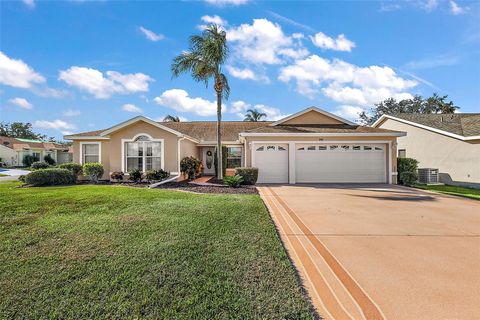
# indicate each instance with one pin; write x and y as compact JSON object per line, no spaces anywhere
{"x":321,"y":162}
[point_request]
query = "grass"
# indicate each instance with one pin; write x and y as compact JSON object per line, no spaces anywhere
{"x":3,"y":175}
{"x":118,"y":252}
{"x":453,"y":190}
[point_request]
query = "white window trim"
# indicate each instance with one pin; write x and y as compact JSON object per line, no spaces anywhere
{"x":242,"y":158}
{"x":91,"y":142}
{"x":162,"y":148}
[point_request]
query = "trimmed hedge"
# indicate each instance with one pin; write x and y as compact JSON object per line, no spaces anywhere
{"x":407,"y":171}
{"x":135,"y":175}
{"x":29,"y":159}
{"x":117,"y":175}
{"x":190,"y":166}
{"x":93,"y":170}
{"x":249,"y":175}
{"x":39,"y":165}
{"x":49,"y":177}
{"x":48,"y":159}
{"x":75,"y":168}
{"x":156,"y":175}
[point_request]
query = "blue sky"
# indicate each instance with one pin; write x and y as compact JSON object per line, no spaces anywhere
{"x":72,"y":66}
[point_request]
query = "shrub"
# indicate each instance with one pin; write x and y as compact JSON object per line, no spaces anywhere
{"x":49,"y":177}
{"x":190,"y":166}
{"x":407,"y":165}
{"x":408,"y":178}
{"x":21,"y":178}
{"x":39,"y":165}
{"x":135,"y":175}
{"x":156,"y":175}
{"x":233,"y":181}
{"x":29,"y":159}
{"x":117,"y":175}
{"x":249,"y":175}
{"x":48,"y":159}
{"x":75,"y":168}
{"x":93,"y":170}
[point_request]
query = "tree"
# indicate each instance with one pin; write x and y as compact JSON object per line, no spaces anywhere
{"x":20,"y":130}
{"x":170,"y":118}
{"x":204,"y":61}
{"x":433,"y":104}
{"x":254,"y":115}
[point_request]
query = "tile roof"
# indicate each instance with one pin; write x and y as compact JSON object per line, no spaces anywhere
{"x":463,"y":124}
{"x":20,"y":144}
{"x":340,"y":128}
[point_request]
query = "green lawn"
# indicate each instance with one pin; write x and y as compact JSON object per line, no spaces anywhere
{"x":119,"y":252}
{"x":458,"y":191}
{"x":3,"y":175}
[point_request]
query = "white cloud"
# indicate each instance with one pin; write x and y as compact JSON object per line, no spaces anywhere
{"x":17,"y":73}
{"x":246,"y":73}
{"x":264,"y":42}
{"x":221,"y":3}
{"x":290,"y":21}
{"x":430,"y":5}
{"x":160,"y":119}
{"x":344,"y":82}
{"x":29,"y":3}
{"x":150,"y":35}
{"x":349,"y":112}
{"x":102,"y":87}
{"x":240,"y":108}
{"x":214,"y":19}
{"x":433,"y":62}
{"x":55,"y":124}
{"x":323,"y":41}
{"x":455,"y":9}
{"x":131,"y":108}
{"x":22,"y":103}
{"x":179,"y":100}
{"x":71,"y":113}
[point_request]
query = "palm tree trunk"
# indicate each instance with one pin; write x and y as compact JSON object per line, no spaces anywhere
{"x":219,"y":133}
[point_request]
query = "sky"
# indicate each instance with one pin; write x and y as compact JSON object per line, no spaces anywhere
{"x":74,"y":66}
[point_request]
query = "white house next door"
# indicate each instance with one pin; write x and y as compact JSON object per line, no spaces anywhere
{"x":272,"y":162}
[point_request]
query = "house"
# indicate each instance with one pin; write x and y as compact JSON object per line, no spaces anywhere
{"x":448,"y":142}
{"x":13,"y":150}
{"x":309,"y":146}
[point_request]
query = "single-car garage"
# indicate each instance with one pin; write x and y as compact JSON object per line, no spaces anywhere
{"x":340,"y":162}
{"x":272,"y":162}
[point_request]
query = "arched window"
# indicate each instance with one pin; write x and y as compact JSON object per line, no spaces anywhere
{"x":144,"y":154}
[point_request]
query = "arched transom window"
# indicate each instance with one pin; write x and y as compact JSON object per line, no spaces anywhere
{"x":144,"y":154}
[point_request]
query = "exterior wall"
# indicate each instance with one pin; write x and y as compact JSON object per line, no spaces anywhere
{"x":189,"y":148}
{"x":9,"y":156}
{"x":320,"y":139}
{"x":312,"y":117}
{"x":456,"y":159}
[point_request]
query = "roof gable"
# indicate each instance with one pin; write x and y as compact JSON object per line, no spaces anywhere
{"x":313,"y":116}
{"x":135,"y":120}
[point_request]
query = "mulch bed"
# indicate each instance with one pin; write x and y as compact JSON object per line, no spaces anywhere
{"x":183,"y":185}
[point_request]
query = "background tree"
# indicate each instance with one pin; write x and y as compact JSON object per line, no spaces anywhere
{"x":254,"y":115}
{"x":20,"y":130}
{"x":433,"y":104}
{"x":170,"y":118}
{"x":204,"y":60}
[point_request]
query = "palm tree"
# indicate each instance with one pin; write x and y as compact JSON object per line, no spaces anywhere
{"x":254,"y":116}
{"x":204,"y":60}
{"x":170,"y":118}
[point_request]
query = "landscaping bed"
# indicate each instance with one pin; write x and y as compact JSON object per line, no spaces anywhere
{"x":184,"y":185}
{"x":97,"y":252}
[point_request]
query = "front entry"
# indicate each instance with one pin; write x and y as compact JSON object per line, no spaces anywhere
{"x":207,"y":159}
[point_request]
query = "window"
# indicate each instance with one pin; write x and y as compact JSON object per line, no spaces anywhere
{"x":37,"y":155}
{"x":90,"y":152}
{"x":367,"y":148}
{"x":261,"y":148}
{"x":346,"y":148}
{"x":143,"y":154}
{"x":234,"y":157}
{"x":356,"y":148}
{"x":311,"y":148}
{"x":402,"y":153}
{"x":322,"y":148}
{"x":280,"y":148}
{"x":333,"y":147}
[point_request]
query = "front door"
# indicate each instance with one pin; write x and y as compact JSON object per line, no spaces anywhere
{"x":208,"y":167}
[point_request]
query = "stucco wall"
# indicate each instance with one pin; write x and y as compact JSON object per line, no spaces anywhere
{"x":312,"y":117}
{"x":320,"y":139}
{"x":9,"y":156}
{"x":457,"y":158}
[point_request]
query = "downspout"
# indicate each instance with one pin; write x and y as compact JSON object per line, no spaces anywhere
{"x":154,"y":185}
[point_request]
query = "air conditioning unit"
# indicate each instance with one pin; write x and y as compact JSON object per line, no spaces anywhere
{"x":428,"y":176}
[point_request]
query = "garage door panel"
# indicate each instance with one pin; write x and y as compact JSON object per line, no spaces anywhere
{"x":340,"y":163}
{"x":272,"y":163}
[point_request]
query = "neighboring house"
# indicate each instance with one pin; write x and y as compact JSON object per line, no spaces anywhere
{"x":13,"y":150}
{"x":448,"y":142}
{"x":309,"y":146}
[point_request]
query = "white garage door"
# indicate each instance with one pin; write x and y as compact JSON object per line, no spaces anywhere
{"x":340,"y":163}
{"x":272,"y":162}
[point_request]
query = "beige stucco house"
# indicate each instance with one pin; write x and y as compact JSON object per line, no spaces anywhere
{"x":309,"y":146}
{"x":448,"y":142}
{"x":13,"y":150}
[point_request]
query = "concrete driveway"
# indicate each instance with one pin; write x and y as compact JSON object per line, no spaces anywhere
{"x":381,"y":251}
